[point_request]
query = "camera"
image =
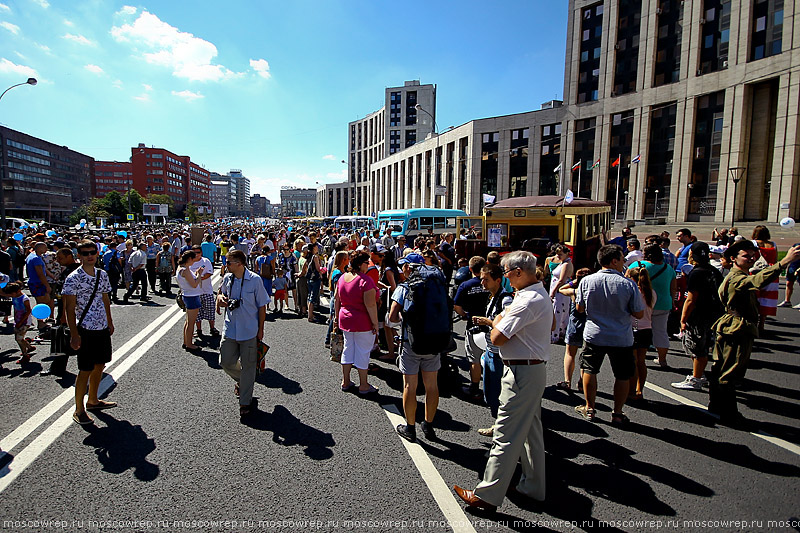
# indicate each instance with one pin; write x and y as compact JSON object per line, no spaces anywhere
{"x":234,"y":304}
{"x":474,"y":330}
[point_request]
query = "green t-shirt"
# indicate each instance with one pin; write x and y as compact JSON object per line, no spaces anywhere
{"x":661,"y":283}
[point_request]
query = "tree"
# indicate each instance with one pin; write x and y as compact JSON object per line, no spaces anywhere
{"x":133,"y":201}
{"x":191,"y":212}
{"x":81,"y":212}
{"x":113,"y":204}
{"x":97,"y":208}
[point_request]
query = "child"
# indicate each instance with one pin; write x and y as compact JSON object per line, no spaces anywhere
{"x":279,"y":284}
{"x":574,"y":336}
{"x":642,"y":331}
{"x":23,"y":320}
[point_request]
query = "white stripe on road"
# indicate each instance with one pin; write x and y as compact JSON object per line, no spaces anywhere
{"x":451,"y":509}
{"x":32,"y":451}
{"x":786,"y":445}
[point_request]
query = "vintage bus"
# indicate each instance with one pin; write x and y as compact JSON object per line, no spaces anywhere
{"x":353,"y":223}
{"x":533,"y":223}
{"x":413,"y":222}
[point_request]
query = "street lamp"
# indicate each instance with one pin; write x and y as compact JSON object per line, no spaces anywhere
{"x":31,"y":81}
{"x":655,"y":207}
{"x":736,"y":174}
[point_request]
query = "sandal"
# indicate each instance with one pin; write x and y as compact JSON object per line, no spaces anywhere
{"x":82,"y":418}
{"x":370,"y":390}
{"x":585,"y":412}
{"x":564,"y":385}
{"x":619,"y":419}
{"x":348,"y":388}
{"x":102,"y":404}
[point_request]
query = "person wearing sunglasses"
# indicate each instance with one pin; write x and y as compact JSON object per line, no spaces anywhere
{"x":88,"y":308}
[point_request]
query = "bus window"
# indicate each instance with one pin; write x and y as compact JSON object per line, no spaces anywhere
{"x":413,"y":223}
{"x":450,"y":223}
{"x":438,"y":223}
{"x":580,"y":231}
{"x":497,"y":235}
{"x":425,"y":222}
{"x":535,"y":239}
{"x":568,"y":230}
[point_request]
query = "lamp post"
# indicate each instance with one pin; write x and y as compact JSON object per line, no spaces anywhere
{"x":655,"y":207}
{"x":437,"y":178}
{"x":31,"y":81}
{"x":736,"y":174}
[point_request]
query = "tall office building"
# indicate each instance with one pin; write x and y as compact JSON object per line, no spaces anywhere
{"x":42,"y":180}
{"x":240,"y":194}
{"x":298,"y":202}
{"x":702,"y":94}
{"x":220,"y":195}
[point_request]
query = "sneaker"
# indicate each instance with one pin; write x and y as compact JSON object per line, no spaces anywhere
{"x":427,"y":430}
{"x":82,"y":418}
{"x":473,"y":392}
{"x":690,"y":383}
{"x":785,"y":304}
{"x":704,"y":381}
{"x":486,"y":432}
{"x":796,"y":306}
{"x":407,"y":432}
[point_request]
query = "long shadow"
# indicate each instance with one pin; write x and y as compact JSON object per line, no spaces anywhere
{"x":288,"y":430}
{"x":727,"y":452}
{"x":210,"y":357}
{"x":121,"y":446}
{"x":768,"y":388}
{"x":777,"y":366}
{"x":274,"y":380}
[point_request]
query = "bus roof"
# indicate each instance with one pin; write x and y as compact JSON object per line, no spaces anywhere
{"x":546,"y":201}
{"x":423,"y":211}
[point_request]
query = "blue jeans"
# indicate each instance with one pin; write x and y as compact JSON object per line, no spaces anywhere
{"x":492,"y":374}
{"x":330,"y":322}
{"x":313,"y":291}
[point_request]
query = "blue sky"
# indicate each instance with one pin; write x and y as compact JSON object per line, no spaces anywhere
{"x":265,"y":87}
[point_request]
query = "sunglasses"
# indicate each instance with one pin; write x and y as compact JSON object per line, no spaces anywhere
{"x":86,"y":253}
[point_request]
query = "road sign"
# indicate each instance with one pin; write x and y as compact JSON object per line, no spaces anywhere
{"x":130,"y":216}
{"x":186,"y":219}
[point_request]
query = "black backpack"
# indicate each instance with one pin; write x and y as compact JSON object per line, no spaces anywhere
{"x":427,"y":311}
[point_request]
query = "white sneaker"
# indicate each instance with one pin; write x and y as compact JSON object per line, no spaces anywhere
{"x":690,"y":383}
{"x":785,"y":304}
{"x":796,"y":306}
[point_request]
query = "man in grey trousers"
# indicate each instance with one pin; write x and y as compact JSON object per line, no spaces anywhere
{"x":522,"y":332}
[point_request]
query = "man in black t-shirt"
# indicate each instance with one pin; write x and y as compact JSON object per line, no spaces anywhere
{"x":471,"y":300}
{"x":447,"y":256}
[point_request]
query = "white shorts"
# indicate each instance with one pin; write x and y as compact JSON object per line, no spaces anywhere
{"x":660,"y":336}
{"x":357,"y":347}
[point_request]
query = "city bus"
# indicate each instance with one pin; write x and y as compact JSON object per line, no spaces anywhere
{"x":355,"y":223}
{"x":414,"y":222}
{"x":328,"y":221}
{"x":533,"y":223}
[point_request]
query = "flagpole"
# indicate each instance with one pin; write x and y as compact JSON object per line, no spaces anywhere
{"x":579,"y":179}
{"x":616,"y":199}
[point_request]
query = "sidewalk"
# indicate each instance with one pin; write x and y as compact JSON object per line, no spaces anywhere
{"x":783,"y":238}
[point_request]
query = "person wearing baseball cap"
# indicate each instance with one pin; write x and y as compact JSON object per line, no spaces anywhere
{"x":738,"y":327}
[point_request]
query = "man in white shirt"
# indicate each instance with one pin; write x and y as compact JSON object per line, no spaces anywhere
{"x":634,"y":253}
{"x":522,"y":332}
{"x":138,"y":262}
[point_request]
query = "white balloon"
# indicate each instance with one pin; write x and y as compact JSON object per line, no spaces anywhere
{"x":83,"y":221}
{"x":787,"y":223}
{"x":77,"y":226}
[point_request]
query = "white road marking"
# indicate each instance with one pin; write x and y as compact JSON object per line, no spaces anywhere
{"x":786,"y":445}
{"x":40,"y":417}
{"x":451,"y":509}
{"x":32,"y":451}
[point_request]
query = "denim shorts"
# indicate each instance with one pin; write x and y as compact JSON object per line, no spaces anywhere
{"x":313,"y":291}
{"x":192,"y":302}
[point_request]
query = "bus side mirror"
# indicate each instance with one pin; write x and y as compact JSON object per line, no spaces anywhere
{"x":552,"y":212}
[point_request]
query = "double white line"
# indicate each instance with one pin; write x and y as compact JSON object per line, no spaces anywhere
{"x":139,"y":344}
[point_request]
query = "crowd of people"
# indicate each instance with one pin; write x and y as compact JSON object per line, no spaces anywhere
{"x":400,"y":302}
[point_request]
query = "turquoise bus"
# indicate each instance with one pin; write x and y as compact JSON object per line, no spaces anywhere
{"x":414,"y":222}
{"x":355,"y":223}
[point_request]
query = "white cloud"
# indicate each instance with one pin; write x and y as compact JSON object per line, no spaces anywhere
{"x":69,"y":23}
{"x":80,"y":39}
{"x":144,"y":97}
{"x":339,"y":176}
{"x":261,"y":66}
{"x":43,"y":47}
{"x":13,"y":28}
{"x":117,"y":84}
{"x":127,"y":10}
{"x":329,"y":157}
{"x":188,"y":56}
{"x":9,"y":67}
{"x":44,"y":3}
{"x":4,"y":7}
{"x":93,"y":68}
{"x":189,"y":96}
{"x":147,"y":87}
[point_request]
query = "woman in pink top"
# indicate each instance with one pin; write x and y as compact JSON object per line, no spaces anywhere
{"x":357,"y":317}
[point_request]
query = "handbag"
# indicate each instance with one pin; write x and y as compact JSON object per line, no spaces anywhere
{"x":60,"y":339}
{"x":337,"y":346}
{"x":261,"y":356}
{"x":179,"y":300}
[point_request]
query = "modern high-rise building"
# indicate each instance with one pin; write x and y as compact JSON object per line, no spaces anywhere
{"x":259,"y":206}
{"x":42,"y":180}
{"x":691,"y":98}
{"x":220,"y":195}
{"x":298,"y":202}
{"x":240,"y":194}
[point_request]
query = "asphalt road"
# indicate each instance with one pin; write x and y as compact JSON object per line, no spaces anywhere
{"x":175,"y":457}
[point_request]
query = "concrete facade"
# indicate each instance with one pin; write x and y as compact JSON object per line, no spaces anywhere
{"x":220,"y":195}
{"x":758,"y":106}
{"x":240,"y":194}
{"x":294,"y":201}
{"x":335,"y":199}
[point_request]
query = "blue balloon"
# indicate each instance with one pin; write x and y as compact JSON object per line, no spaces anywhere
{"x":41,"y":311}
{"x":122,"y":233}
{"x":3,"y":285}
{"x":51,"y":233}
{"x":18,"y":236}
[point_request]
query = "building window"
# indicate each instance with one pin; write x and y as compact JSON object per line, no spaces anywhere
{"x":668,"y":42}
{"x":583,"y":151}
{"x":549,"y":159}
{"x":709,"y":113}
{"x":518,"y":165}
{"x":626,"y":57}
{"x":590,"y":49}
{"x":411,"y":137}
{"x":659,"y":159}
{"x":715,"y":36}
{"x":767,"y":32}
{"x":411,"y":111}
{"x":490,"y":143}
{"x":621,"y":140}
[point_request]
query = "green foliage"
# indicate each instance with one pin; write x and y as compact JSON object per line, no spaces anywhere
{"x":191,"y":212}
{"x":114,"y":206}
{"x":132,"y":201}
{"x":81,"y":212}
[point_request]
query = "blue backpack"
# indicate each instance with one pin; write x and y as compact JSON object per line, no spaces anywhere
{"x":427,"y":311}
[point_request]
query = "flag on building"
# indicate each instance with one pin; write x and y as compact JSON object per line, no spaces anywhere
{"x":616,"y":162}
{"x":488,"y":199}
{"x":596,"y":164}
{"x":557,"y":169}
{"x":576,"y":166}
{"x":636,"y":159}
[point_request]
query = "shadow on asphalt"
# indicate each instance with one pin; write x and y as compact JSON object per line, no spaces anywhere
{"x":121,"y":446}
{"x":288,"y":430}
{"x":274,"y":380}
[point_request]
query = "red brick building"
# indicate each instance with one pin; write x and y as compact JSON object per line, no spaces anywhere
{"x":156,"y":171}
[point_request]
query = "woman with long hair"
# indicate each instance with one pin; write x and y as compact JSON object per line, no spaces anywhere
{"x":642,"y":331}
{"x":389,"y":278}
{"x":560,"y":276}
{"x":190,"y":284}
{"x":301,"y":305}
{"x":313,"y":277}
{"x":340,"y":262}
{"x":574,"y":336}
{"x":768,"y":296}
